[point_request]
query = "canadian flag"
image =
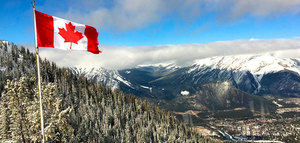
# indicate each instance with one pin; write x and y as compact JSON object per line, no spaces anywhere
{"x":59,"y":33}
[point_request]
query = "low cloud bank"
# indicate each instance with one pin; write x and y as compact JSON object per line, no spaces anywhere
{"x":122,"y":57}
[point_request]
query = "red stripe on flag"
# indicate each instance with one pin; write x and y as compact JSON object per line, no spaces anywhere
{"x":92,"y":36}
{"x":44,"y":30}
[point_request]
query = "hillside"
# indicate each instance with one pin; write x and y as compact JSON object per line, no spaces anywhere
{"x":219,"y":96}
{"x":76,"y":108}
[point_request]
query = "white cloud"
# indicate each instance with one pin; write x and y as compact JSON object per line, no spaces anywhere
{"x":122,"y":57}
{"x":291,"y":53}
{"x":123,"y":15}
{"x":264,"y":7}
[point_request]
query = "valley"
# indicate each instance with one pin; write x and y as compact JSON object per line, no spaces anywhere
{"x":255,"y":99}
{"x":150,"y":71}
{"x":216,"y":102}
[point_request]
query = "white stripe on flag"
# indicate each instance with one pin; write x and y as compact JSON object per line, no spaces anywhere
{"x":59,"y":41}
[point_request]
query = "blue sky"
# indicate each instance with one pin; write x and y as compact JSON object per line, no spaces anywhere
{"x":138,"y":32}
{"x":157,"y":22}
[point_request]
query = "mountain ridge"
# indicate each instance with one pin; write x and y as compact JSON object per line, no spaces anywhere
{"x":250,"y":73}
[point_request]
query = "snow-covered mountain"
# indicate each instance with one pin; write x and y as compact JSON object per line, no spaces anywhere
{"x":255,"y":74}
{"x":161,"y":66}
{"x":255,"y":64}
{"x":267,"y":74}
{"x":110,"y":78}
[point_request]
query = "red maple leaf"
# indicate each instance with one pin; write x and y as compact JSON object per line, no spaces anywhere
{"x":70,"y":35}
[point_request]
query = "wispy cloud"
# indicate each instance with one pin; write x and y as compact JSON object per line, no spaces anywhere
{"x":264,"y":7}
{"x":123,"y":15}
{"x":114,"y":57}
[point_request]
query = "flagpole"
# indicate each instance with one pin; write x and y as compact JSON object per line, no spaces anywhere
{"x":38,"y":72}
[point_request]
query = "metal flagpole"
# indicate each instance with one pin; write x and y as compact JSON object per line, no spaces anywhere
{"x":38,"y":72}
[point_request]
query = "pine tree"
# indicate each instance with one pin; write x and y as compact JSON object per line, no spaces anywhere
{"x":20,"y":113}
{"x":5,"y":120}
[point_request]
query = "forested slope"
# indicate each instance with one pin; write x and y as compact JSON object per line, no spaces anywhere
{"x":76,"y":109}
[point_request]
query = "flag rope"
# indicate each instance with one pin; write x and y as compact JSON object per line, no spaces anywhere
{"x":38,"y":72}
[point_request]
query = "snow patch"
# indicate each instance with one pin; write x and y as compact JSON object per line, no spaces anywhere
{"x":184,"y":93}
{"x":2,"y":69}
{"x":146,"y":87}
{"x":124,"y":81}
{"x":279,"y":105}
{"x":225,"y":85}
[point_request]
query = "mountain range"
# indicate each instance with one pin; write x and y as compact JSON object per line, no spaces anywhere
{"x":217,"y":86}
{"x":253,"y":74}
